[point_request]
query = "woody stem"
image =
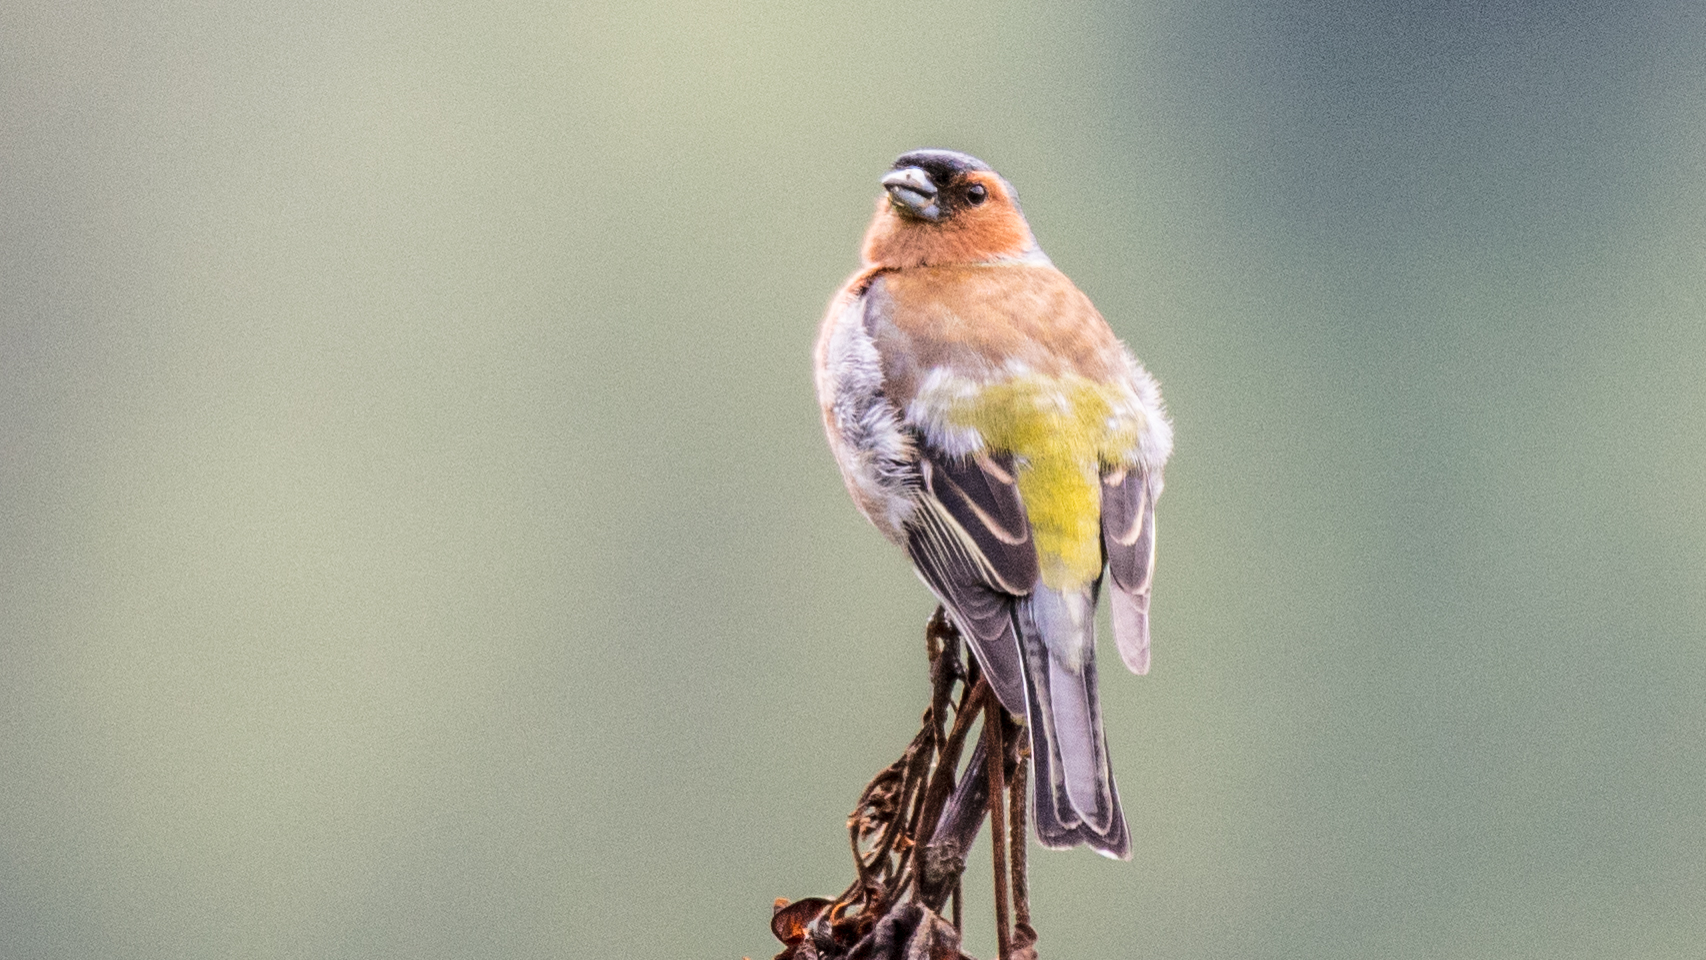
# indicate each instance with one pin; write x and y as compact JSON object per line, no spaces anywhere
{"x":992,"y":724}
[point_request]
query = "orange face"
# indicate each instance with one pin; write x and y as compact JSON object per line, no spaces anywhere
{"x":970,"y":217}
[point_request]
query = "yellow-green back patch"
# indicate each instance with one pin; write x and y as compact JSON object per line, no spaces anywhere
{"x":1060,"y":432}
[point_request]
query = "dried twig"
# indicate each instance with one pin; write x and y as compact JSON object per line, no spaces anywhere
{"x":1024,"y":936}
{"x":992,"y":724}
{"x":912,"y":827}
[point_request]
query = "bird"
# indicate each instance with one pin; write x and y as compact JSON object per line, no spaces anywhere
{"x":988,"y":421}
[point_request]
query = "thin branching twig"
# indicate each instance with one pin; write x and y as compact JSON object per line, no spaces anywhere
{"x":912,"y":827}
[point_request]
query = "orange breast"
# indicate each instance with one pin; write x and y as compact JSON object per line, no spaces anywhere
{"x":979,"y":320}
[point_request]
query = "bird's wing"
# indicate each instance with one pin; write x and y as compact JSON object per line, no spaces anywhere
{"x":965,"y":527}
{"x":1128,"y":538}
{"x":970,"y":541}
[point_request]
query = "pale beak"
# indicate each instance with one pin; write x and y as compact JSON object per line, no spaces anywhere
{"x":912,"y":193}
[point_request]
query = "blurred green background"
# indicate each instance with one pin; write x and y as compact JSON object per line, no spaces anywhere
{"x":417,"y":540}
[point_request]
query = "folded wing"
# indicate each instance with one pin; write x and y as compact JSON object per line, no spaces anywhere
{"x":1128,"y":538}
{"x":971,"y":543}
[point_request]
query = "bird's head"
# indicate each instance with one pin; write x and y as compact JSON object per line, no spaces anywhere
{"x":940,"y":207}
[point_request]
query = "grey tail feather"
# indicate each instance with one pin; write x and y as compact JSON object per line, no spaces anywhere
{"x":1074,"y":799}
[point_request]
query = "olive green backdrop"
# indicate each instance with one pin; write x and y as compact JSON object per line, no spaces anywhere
{"x":416,"y":537}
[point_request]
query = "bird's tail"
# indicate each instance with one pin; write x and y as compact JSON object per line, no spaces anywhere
{"x":1074,"y":797}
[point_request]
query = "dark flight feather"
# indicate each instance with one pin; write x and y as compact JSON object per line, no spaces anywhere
{"x":970,"y":541}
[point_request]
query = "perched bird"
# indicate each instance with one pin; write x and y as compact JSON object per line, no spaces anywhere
{"x":987,"y":420}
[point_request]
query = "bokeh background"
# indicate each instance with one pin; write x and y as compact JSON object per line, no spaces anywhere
{"x":416,"y":537}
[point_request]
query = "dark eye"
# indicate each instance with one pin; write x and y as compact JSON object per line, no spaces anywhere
{"x":976,"y":194}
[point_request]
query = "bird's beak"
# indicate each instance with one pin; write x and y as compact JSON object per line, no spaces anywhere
{"x":912,"y":193}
